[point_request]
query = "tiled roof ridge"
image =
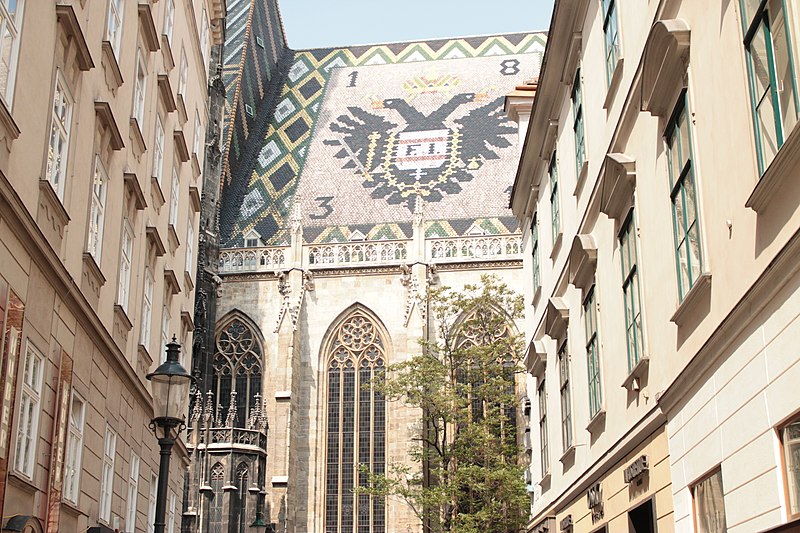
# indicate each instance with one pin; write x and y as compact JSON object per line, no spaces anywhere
{"x":418,"y":41}
{"x":280,"y":20}
{"x":237,"y":90}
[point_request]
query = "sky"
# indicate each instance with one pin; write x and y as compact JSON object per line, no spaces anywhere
{"x":330,"y":23}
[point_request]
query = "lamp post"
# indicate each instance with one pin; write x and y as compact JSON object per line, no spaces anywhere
{"x":170,"y":386}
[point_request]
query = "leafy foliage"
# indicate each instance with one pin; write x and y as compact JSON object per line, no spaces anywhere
{"x":465,"y":475}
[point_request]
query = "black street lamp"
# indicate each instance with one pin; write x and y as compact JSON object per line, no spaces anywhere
{"x":170,"y":385}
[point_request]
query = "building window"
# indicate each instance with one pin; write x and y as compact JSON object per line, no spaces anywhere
{"x":555,"y":214}
{"x":770,"y":64}
{"x":140,"y":89}
{"x":169,"y":20}
{"x":116,"y":12}
{"x":189,"y":248}
{"x":683,"y":196}
{"x":151,"y":503}
{"x":147,"y":308}
{"x":356,"y":433}
{"x":611,"y":37}
{"x":158,"y":150}
{"x":126,"y":257}
{"x":74,"y":451}
{"x":790,"y":438}
{"x":215,"y":504}
{"x":94,"y":242}
{"x":535,"y":251}
{"x":171,"y":514}
{"x":577,"y":123}
{"x":133,"y":492}
{"x":183,"y":73}
{"x":29,"y":407}
{"x":174,"y":196}
{"x":709,"y":504}
{"x":237,"y":370}
{"x":10,"y":24}
{"x":58,"y":150}
{"x":592,"y":353}
{"x":204,"y":42}
{"x":564,"y":394}
{"x":249,"y":110}
{"x":630,"y":290}
{"x":165,"y":326}
{"x":543,"y":449}
{"x":238,"y":512}
{"x":107,"y":479}
{"x":198,"y":135}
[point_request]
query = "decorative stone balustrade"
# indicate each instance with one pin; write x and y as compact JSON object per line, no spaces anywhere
{"x":372,"y":253}
{"x":229,"y":437}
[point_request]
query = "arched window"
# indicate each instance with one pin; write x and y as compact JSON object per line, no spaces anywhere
{"x":237,"y":368}
{"x":484,"y":326}
{"x":215,"y":501}
{"x":238,"y":511}
{"x":356,"y":354}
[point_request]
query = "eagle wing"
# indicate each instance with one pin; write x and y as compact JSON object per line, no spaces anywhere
{"x":354,"y":133}
{"x":484,"y":130}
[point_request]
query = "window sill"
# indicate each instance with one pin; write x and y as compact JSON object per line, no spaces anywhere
{"x":545,"y":479}
{"x":187,"y":281}
{"x":569,"y":455}
{"x":616,"y":76}
{"x":536,"y":295}
{"x":23,"y":482}
{"x":777,"y":173}
{"x":53,"y":210}
{"x":182,"y":116}
{"x":156,"y":194}
{"x":597,"y":423}
{"x":556,"y":246}
{"x":172,"y":236}
{"x":166,"y":49}
{"x":195,"y":165}
{"x":584,"y":170}
{"x":637,"y":373}
{"x":122,"y":316}
{"x":114,"y":77}
{"x":136,"y":135}
{"x":9,"y":130}
{"x":72,"y":508}
{"x":699,"y":290}
{"x":93,"y":279}
{"x":145,"y":360}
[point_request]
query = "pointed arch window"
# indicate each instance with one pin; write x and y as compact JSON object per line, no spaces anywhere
{"x":215,"y":503}
{"x":237,"y":369}
{"x":238,"y":518}
{"x":356,"y":436}
{"x":485,"y":326}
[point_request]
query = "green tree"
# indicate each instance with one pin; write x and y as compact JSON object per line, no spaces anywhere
{"x":466,"y":474}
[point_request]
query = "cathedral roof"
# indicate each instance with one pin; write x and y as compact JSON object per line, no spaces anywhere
{"x":355,"y":139}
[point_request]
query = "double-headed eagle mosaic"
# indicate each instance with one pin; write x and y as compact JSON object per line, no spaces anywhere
{"x":426,"y":156}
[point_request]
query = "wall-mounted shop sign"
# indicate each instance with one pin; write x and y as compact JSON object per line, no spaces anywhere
{"x":566,"y":523}
{"x":636,"y":469}
{"x":594,"y":498}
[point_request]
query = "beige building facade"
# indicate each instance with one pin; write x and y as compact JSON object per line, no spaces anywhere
{"x":103,"y":124}
{"x":658,"y":195}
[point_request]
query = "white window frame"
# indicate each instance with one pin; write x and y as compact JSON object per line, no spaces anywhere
{"x":204,"y":42}
{"x":10,"y":29}
{"x":174,"y":197}
{"x":189,"y":264}
{"x":165,"y":325}
{"x":114,"y":21}
{"x":140,"y":89}
{"x":30,"y":405}
{"x":125,"y":262}
{"x":151,"y":503}
{"x":147,"y":308}
{"x":107,"y":477}
{"x":94,"y":240}
{"x":183,"y":73}
{"x":74,"y":449}
{"x":60,"y":126}
{"x":198,"y":131}
{"x":169,"y":20}
{"x":158,"y":150}
{"x":133,"y":492}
